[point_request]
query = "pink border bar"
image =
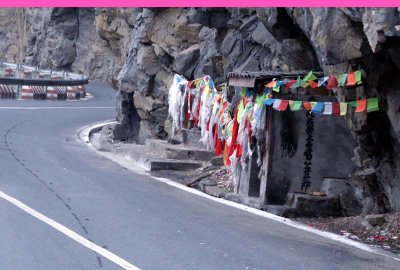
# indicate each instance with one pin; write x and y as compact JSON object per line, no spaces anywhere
{"x":200,"y":3}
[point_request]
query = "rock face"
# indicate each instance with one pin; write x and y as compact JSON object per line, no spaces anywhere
{"x":89,"y":41}
{"x":141,"y":49}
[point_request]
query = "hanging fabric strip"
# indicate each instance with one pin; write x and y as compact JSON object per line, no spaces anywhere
{"x":335,"y":108}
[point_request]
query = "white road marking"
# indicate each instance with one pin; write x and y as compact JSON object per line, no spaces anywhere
{"x":71,"y":234}
{"x":55,"y":108}
{"x":138,"y":169}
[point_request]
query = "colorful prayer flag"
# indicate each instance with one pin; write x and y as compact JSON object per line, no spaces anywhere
{"x":322,"y":81}
{"x":358,"y":77}
{"x":372,"y":105}
{"x":327,"y":108}
{"x":313,"y":84}
{"x":361,"y":105}
{"x":307,"y":105}
{"x":277,"y":103}
{"x":295,"y":105}
{"x":335,"y":108}
{"x":342,"y":79}
{"x":310,"y":77}
{"x":343,"y":108}
{"x":318,"y":108}
{"x":269,"y":101}
{"x":270,"y":84}
{"x":289,"y":84}
{"x":283,"y":105}
{"x":332,"y":82}
{"x":351,"y":79}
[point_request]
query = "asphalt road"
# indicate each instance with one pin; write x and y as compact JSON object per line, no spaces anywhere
{"x":148,"y":223}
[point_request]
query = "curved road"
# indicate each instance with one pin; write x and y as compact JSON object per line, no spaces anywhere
{"x":145,"y":222}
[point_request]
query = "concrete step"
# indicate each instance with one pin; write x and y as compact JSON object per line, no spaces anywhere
{"x":180,"y":152}
{"x":179,"y":165}
{"x":306,"y":205}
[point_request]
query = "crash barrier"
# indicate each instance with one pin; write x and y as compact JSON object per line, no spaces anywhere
{"x":28,"y":82}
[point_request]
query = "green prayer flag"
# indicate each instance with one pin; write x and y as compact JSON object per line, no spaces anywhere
{"x":358,"y":77}
{"x":343,"y":108}
{"x":310,"y":77}
{"x":372,"y":105}
{"x":353,"y":104}
{"x":295,"y":105}
{"x":299,"y":82}
{"x":276,"y":88}
{"x":342,"y":79}
{"x":240,"y":111}
{"x":304,"y":84}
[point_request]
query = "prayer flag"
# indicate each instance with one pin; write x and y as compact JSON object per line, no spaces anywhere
{"x":269,"y":101}
{"x":361,"y":105}
{"x":318,"y":108}
{"x":270,"y":84}
{"x":310,"y":77}
{"x":283,"y":105}
{"x":335,"y":108}
{"x":277,"y":103}
{"x":372,"y":105}
{"x":289,"y":84}
{"x":313,"y":84}
{"x":322,"y":81}
{"x":295,"y":105}
{"x":343,"y":108}
{"x":358,"y":77}
{"x":342,"y":79}
{"x":332,"y":82}
{"x":304,"y":84}
{"x":351,"y":79}
{"x":327,"y":108}
{"x":243,"y":91}
{"x":353,"y":104}
{"x":299,"y":82}
{"x":307,"y":105}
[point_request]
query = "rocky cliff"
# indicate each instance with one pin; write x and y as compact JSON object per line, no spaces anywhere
{"x":90,"y":41}
{"x":141,"y":49}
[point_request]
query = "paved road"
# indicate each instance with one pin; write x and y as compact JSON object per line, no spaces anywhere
{"x":148,"y":223}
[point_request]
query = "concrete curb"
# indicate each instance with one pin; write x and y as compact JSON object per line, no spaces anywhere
{"x":83,"y":136}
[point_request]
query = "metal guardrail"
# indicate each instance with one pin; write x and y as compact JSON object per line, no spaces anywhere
{"x":62,"y":78}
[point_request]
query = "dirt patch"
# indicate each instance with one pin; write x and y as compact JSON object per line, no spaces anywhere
{"x":385,"y":235}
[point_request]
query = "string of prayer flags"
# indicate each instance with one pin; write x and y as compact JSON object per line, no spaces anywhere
{"x":372,"y":105}
{"x":350,"y":79}
{"x":361,"y":105}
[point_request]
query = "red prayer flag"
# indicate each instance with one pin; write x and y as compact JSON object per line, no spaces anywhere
{"x":290,"y":83}
{"x":351,"y":79}
{"x":335,"y":108}
{"x":270,"y":84}
{"x":361,"y":105}
{"x":332,"y":82}
{"x":283,"y":105}
{"x":307,"y":105}
{"x":313,"y":84}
